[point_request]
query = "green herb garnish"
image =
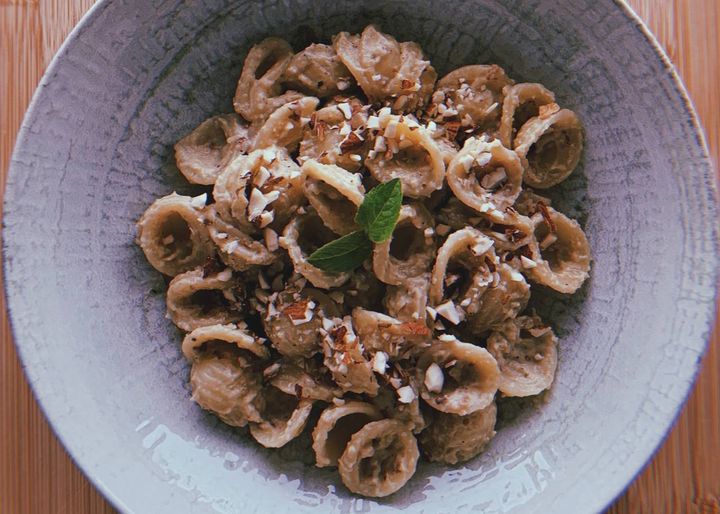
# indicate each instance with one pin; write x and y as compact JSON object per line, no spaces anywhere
{"x":377,"y":215}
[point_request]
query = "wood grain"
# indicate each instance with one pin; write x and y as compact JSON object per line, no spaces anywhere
{"x":37,"y":476}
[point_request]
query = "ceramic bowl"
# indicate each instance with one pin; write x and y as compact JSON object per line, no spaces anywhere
{"x":88,"y":312}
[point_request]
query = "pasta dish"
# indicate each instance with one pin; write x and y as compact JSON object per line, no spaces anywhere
{"x":357,"y":262}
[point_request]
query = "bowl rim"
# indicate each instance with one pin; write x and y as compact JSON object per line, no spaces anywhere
{"x":606,"y":496}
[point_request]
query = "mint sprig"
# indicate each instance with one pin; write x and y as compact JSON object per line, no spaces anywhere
{"x":377,"y":215}
{"x":344,"y":254}
{"x":379,"y":212}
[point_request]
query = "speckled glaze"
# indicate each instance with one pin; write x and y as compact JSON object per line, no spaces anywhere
{"x":88,"y":311}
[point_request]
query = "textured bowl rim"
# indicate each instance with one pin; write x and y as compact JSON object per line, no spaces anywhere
{"x":605,"y":497}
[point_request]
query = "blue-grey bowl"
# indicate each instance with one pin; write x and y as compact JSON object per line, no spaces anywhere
{"x":88,"y":311}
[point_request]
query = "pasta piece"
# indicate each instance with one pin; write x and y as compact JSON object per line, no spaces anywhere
{"x":302,"y":236}
{"x":283,"y":418}
{"x":261,"y":189}
{"x":560,"y":252}
{"x":317,"y":71}
{"x":235,"y":248}
{"x":412,"y":156}
{"x":379,"y":459}
{"x":344,"y":357}
{"x":462,"y":273}
{"x":473,"y":93}
{"x":458,"y":378}
{"x":217,"y":339}
{"x":198,"y":298}
{"x":408,"y":301}
{"x":504,"y":299}
{"x":299,"y":378}
{"x":336,"y":426}
{"x":552,"y":144}
{"x":486,"y":177}
{"x":411,"y":248}
{"x":172,"y":235}
{"x":452,"y":439}
{"x":202,"y":154}
{"x":223,"y":377}
{"x":522,"y":102}
{"x":284,"y":127}
{"x":335,"y":194}
{"x":526,"y":353}
{"x":332,"y":138}
{"x":259,"y":90}
{"x":294,"y":319}
{"x":387,"y":70}
{"x":381,"y":333}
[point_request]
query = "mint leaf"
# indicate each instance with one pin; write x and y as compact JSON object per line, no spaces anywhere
{"x":344,"y":254}
{"x":380,"y":210}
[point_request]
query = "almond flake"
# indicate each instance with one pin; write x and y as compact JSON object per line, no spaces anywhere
{"x":231,"y":246}
{"x":379,"y":362}
{"x":256,"y":204}
{"x":549,"y":239}
{"x":373,"y":122}
{"x":434,"y":378}
{"x":527,"y":263}
{"x":516,"y":277}
{"x":391,"y":129}
{"x":345,"y":129}
{"x":447,"y":338}
{"x":170,"y":238}
{"x":467,"y":161}
{"x":483,"y":159}
{"x":431,"y":312}
{"x":261,"y":176}
{"x":385,"y":111}
{"x":406,"y":394}
{"x":269,"y":155}
{"x":346,"y":110}
{"x":448,"y":311}
{"x":225,"y":275}
{"x":199,"y":201}
{"x":355,"y":157}
{"x":271,"y":239}
{"x":432,"y":126}
{"x":429,"y":232}
{"x":380,"y":144}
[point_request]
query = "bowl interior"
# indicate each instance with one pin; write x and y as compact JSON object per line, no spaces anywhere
{"x":89,"y":314}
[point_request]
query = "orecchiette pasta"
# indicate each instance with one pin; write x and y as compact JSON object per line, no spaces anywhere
{"x":486,"y":177}
{"x":387,"y":70}
{"x":410,"y":250}
{"x":283,"y":418}
{"x":471,"y":94}
{"x":202,"y":154}
{"x":552,"y":143}
{"x":369,"y":362}
{"x":318,"y":71}
{"x":284,"y":127}
{"x":337,"y":136}
{"x":405,"y":150}
{"x":335,"y":194}
{"x":458,"y":378}
{"x":224,"y":375}
{"x":522,"y":102}
{"x":173,"y":235}
{"x":560,"y":252}
{"x":293,"y":321}
{"x":261,"y":189}
{"x":336,"y":426}
{"x":526,"y":353}
{"x":379,"y":459}
{"x":259,"y":90}
{"x":198,"y":298}
{"x":452,"y":439}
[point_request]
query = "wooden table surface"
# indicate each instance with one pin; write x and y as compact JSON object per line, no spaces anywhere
{"x":36,"y":475}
